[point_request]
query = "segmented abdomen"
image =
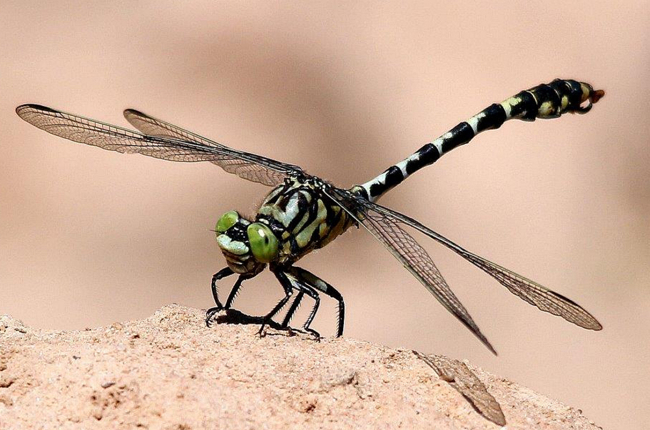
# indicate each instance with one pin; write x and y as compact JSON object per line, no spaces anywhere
{"x":543,"y":101}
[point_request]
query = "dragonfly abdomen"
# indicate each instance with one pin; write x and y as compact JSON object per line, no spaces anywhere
{"x":543,"y":101}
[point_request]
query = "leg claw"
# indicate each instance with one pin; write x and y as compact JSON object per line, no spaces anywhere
{"x":262,"y":333}
{"x":317,"y":336}
{"x":210,"y":313}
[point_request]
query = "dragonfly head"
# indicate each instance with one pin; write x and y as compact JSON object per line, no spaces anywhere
{"x":248,"y":246}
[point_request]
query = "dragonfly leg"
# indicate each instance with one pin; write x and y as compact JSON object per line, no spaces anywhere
{"x":288,"y":292}
{"x":223,"y":273}
{"x":234,"y":291}
{"x":292,"y":310}
{"x":303,"y":288}
{"x":317,"y":283}
{"x":227,"y":271}
{"x":314,"y":295}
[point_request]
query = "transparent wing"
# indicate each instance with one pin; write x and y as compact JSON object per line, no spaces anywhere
{"x":461,"y":378}
{"x":167,"y":147}
{"x":414,"y":258}
{"x":151,"y":126}
{"x":530,"y":291}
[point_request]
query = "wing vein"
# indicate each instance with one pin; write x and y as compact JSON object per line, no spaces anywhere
{"x":159,"y":140}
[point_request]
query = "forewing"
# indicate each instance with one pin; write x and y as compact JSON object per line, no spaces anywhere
{"x":530,"y":291}
{"x":248,"y":169}
{"x":414,"y":258}
{"x":174,"y":148}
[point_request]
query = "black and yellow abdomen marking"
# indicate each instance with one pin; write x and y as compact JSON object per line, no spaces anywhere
{"x":543,"y":101}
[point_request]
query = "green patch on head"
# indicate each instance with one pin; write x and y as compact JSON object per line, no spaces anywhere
{"x":226,"y":221}
{"x":263,"y":242}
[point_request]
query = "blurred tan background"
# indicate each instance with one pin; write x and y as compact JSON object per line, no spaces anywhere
{"x":343,"y":89}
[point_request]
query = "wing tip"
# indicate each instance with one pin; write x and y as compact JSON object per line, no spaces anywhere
{"x":32,"y":106}
{"x":594,"y":325}
{"x":476,"y":332}
{"x":130,"y":111}
{"x":471,"y":325}
{"x":590,"y":323}
{"x":135,"y":118}
{"x":487,"y":344}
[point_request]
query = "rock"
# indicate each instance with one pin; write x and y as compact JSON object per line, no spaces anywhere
{"x":170,"y":371}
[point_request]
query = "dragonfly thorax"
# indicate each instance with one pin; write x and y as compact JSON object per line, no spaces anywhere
{"x":248,"y":246}
{"x":302,"y":217}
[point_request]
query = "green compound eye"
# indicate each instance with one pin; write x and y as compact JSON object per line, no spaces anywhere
{"x":263,"y":242}
{"x":226,"y":221}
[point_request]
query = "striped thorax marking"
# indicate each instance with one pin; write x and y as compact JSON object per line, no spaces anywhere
{"x":302,"y":217}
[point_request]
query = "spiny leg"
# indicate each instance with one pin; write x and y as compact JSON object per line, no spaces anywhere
{"x":314,"y":295}
{"x":227,"y":271}
{"x":292,"y":310}
{"x":288,"y":292}
{"x":303,"y":287}
{"x":314,"y":281}
{"x":231,"y":297}
{"x":234,"y":291}
{"x":223,"y":273}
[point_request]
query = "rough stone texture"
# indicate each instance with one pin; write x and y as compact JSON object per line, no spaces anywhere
{"x":169,"y":371}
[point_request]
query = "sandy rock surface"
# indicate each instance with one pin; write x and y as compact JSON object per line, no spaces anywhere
{"x":170,"y":371}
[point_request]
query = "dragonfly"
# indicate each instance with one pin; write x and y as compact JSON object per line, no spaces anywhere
{"x":303,"y":213}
